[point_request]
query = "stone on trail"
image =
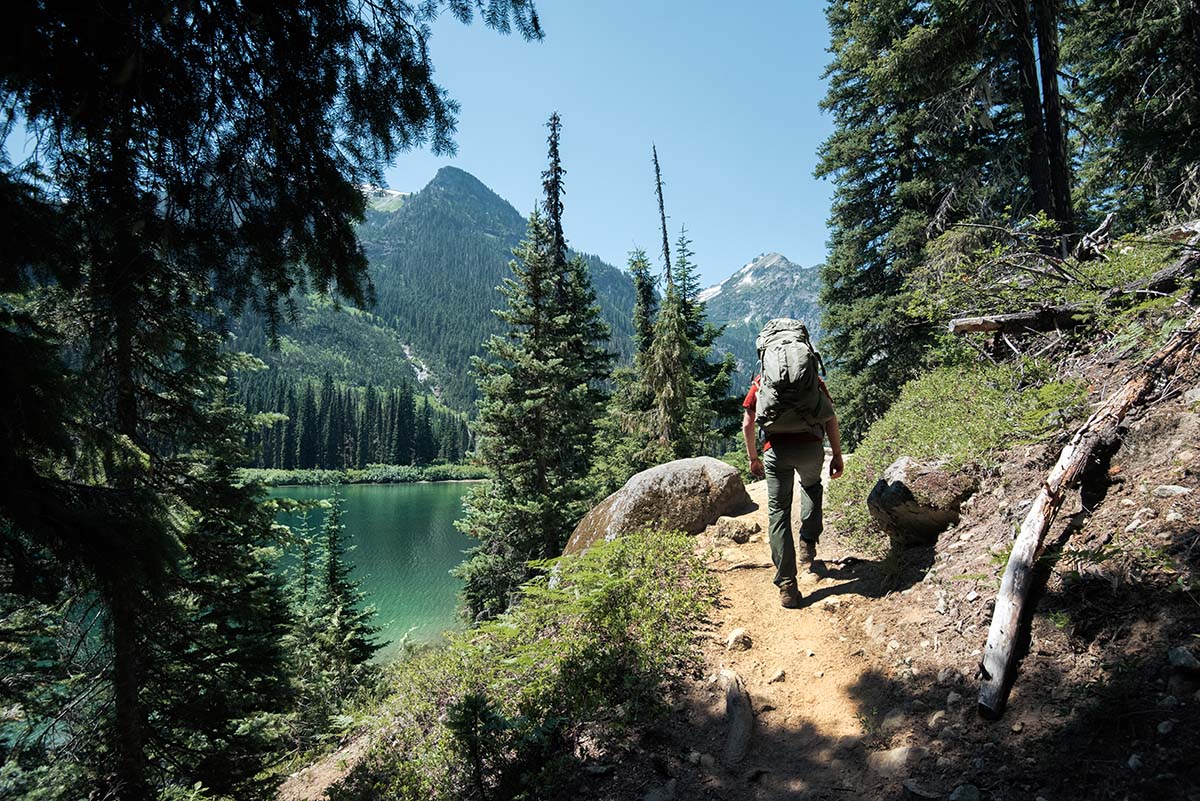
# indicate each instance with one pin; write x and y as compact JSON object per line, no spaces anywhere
{"x":895,"y":761}
{"x":965,"y":792}
{"x":1182,"y":659}
{"x":915,"y":501}
{"x":777,"y":676}
{"x":735,"y":529}
{"x":738,"y":640}
{"x":686,"y":494}
{"x":739,"y":718}
{"x":1170,"y":491}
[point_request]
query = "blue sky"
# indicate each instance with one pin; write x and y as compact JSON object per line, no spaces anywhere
{"x":728,"y":92}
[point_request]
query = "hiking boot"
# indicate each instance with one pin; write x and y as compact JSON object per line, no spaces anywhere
{"x":808,"y":554}
{"x":789,"y":596}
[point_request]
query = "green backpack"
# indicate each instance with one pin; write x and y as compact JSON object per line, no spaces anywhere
{"x":790,"y":398}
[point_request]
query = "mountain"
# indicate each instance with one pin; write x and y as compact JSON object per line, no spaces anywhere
{"x":436,"y":257}
{"x":768,"y":286}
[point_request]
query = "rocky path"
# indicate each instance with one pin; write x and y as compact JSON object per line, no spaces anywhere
{"x":812,"y":692}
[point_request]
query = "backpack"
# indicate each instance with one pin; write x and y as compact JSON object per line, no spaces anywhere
{"x":790,"y":398}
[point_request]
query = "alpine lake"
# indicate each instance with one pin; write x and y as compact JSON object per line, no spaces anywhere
{"x":404,"y":546}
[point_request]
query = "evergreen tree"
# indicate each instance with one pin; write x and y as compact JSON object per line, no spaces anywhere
{"x":189,"y":160}
{"x":540,"y":401}
{"x":646,"y":304}
{"x":308,"y":448}
{"x":1137,"y":70}
{"x":345,"y":631}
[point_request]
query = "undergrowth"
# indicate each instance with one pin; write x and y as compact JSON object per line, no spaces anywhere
{"x":588,"y":650}
{"x":960,"y":414}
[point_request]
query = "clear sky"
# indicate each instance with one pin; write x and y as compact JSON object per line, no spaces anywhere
{"x":729,"y":92}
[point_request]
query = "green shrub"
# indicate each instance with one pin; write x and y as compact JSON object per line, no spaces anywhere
{"x":372,"y":474}
{"x":591,"y":645}
{"x":957,"y":413}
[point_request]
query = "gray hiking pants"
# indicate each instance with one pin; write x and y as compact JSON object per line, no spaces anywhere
{"x":781,"y":464}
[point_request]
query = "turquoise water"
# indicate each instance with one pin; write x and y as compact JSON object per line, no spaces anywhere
{"x":405,"y":545}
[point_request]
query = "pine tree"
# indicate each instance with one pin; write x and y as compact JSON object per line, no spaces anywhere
{"x":646,"y":305}
{"x":175,"y":181}
{"x":540,"y":401}
{"x":345,"y":631}
{"x":308,"y":447}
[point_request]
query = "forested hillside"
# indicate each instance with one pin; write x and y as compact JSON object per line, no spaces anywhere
{"x":435,"y":265}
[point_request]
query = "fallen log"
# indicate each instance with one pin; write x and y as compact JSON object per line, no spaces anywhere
{"x":997,"y":667}
{"x":1053,"y":318}
{"x":1047,"y":319}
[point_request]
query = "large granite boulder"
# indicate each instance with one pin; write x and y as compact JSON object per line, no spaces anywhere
{"x":915,"y":501}
{"x":686,"y":494}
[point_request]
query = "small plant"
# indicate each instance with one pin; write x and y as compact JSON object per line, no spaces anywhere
{"x":1060,"y":619}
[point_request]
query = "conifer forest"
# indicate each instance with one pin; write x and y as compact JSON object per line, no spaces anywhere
{"x":207,"y":290}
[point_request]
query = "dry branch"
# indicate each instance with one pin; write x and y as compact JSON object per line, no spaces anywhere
{"x":1053,"y":318}
{"x":998,"y":666}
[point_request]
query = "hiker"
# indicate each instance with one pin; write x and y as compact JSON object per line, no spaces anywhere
{"x":789,"y":403}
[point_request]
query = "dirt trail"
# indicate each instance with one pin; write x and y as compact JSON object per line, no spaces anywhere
{"x":811,"y":722}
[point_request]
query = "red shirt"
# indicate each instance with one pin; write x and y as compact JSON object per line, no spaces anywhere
{"x":784,"y":439}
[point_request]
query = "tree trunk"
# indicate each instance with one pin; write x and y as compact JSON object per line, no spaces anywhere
{"x":662,"y":216}
{"x":1031,"y":105}
{"x":997,"y":667}
{"x":1056,"y":136}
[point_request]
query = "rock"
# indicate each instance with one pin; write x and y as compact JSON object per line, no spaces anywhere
{"x":820,"y":674}
{"x":953,"y":698}
{"x":739,"y":719}
{"x":1018,"y":727}
{"x":1192,"y":396}
{"x":894,"y":761}
{"x":914,"y":502}
{"x":777,"y":676}
{"x":1181,"y":684}
{"x":915,"y":790}
{"x":708,"y":761}
{"x":694,"y":757}
{"x":972,"y":596}
{"x":948,"y":675}
{"x":936,"y":719}
{"x":1166,"y":727}
{"x":1135,"y":762}
{"x":872,"y":629}
{"x":1182,"y":659}
{"x":1170,"y":491}
{"x":597,"y":770}
{"x":965,"y":792}
{"x":738,"y":640}
{"x":893,"y":721}
{"x":1174,"y":517}
{"x":735,"y":529}
{"x":686,"y":494}
{"x":664,"y":793}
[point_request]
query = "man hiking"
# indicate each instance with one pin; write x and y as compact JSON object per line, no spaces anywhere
{"x":788,"y":401}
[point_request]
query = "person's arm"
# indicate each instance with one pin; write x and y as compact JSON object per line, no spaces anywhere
{"x":836,"y":465}
{"x":748,"y":434}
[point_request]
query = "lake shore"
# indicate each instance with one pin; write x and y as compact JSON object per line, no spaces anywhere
{"x":372,"y":474}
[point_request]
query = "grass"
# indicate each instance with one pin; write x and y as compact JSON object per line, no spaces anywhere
{"x":589,"y":650}
{"x":959,"y":414}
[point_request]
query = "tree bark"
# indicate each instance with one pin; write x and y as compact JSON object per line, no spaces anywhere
{"x":1031,"y":105}
{"x":997,"y":667}
{"x":1046,"y":15}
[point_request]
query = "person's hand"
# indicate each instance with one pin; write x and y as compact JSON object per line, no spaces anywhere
{"x":836,"y":466}
{"x":756,"y":467}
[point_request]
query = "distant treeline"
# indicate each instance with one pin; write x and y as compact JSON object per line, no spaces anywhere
{"x":372,"y":474}
{"x":335,"y":427}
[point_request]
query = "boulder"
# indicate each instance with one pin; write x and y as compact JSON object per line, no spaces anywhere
{"x":686,"y":495}
{"x":915,"y":501}
{"x":735,"y":529}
